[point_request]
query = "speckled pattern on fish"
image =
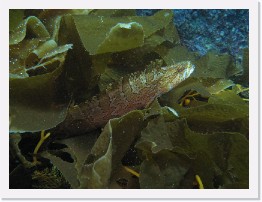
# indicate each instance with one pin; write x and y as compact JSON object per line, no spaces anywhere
{"x":135,"y":91}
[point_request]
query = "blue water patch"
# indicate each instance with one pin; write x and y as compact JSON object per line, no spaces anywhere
{"x":219,"y":30}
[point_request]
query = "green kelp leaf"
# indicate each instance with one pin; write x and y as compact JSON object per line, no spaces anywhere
{"x":165,"y":170}
{"x":213,"y":155}
{"x":33,"y":12}
{"x":34,"y":102}
{"x":151,"y":176}
{"x":156,"y":22}
{"x":153,"y":110}
{"x":34,"y":57}
{"x":243,"y":76}
{"x":227,"y":97}
{"x":67,"y":169}
{"x":113,"y":12}
{"x":215,"y":112}
{"x":18,"y":54}
{"x":99,"y":33}
{"x":216,"y":83}
{"x":203,"y":166}
{"x":100,"y":62}
{"x":80,"y":147}
{"x":49,"y":61}
{"x":173,"y":167}
{"x":178,"y":140}
{"x":81,"y":78}
{"x":122,"y":36}
{"x":238,"y":161}
{"x":245,"y":66}
{"x":239,"y":89}
{"x":237,"y":185}
{"x":169,"y":33}
{"x":154,"y":40}
{"x":162,"y":135}
{"x":53,"y":26}
{"x":155,"y":137}
{"x":175,"y":54}
{"x":124,"y":180}
{"x":15,"y":18}
{"x":219,"y":85}
{"x":51,"y":18}
{"x":207,"y":143}
{"x":30,"y":55}
{"x":55,"y":52}
{"x":46,"y":14}
{"x":167,"y":154}
{"x":109,"y":149}
{"x":68,"y":155}
{"x":214,"y":66}
{"x":30,"y":26}
{"x":216,"y":117}
{"x":229,"y":152}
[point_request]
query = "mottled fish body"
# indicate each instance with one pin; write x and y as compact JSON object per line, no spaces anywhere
{"x":133,"y":92}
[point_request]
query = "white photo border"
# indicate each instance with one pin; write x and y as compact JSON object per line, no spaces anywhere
{"x":254,"y":159}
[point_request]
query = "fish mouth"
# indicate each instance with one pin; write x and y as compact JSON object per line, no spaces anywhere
{"x":189,"y":70}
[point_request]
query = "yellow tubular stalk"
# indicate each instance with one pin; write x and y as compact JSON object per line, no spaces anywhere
{"x":199,"y":181}
{"x":131,"y":171}
{"x":43,"y":137}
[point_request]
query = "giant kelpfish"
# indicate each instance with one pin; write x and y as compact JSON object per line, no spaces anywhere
{"x":135,"y":91}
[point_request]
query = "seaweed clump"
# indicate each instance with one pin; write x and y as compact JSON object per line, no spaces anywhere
{"x":194,"y":136}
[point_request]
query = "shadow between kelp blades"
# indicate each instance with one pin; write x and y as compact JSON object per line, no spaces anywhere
{"x":136,"y":91}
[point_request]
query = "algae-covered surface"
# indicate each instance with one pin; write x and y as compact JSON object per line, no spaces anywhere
{"x":72,"y":71}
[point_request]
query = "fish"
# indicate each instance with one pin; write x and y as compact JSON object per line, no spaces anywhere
{"x":133,"y":92}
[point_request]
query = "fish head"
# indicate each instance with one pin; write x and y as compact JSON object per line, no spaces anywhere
{"x":174,"y":75}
